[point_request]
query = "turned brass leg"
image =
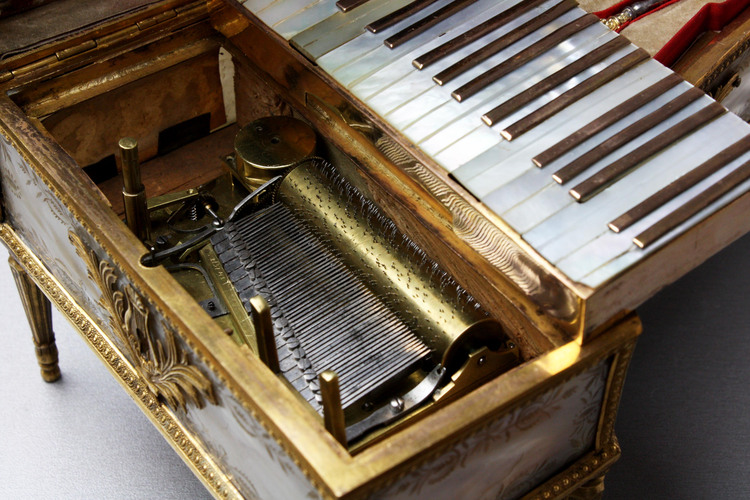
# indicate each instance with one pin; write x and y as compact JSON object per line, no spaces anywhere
{"x":39,"y":313}
{"x":590,"y":490}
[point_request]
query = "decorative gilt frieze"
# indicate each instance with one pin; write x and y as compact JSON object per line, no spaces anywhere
{"x":161,"y":364}
{"x":189,"y":448}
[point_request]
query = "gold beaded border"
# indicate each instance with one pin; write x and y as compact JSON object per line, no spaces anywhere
{"x":163,"y":418}
{"x":590,"y":466}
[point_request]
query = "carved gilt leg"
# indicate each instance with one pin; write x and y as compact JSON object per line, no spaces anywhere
{"x":39,"y":313}
{"x":590,"y":490}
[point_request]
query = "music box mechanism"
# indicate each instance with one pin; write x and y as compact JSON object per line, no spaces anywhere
{"x":294,"y":263}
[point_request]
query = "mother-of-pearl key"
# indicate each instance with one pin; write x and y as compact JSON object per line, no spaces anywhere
{"x":524,"y":98}
{"x":469,"y":36}
{"x":677,"y":187}
{"x":575,"y":225}
{"x":436,"y":131}
{"x":611,"y":253}
{"x":294,"y":18}
{"x":364,"y":43}
{"x":504,"y":161}
{"x":449,"y":144}
{"x":438,"y":99}
{"x":587,"y":224}
{"x":505,"y":177}
{"x":362,"y":57}
{"x":401,"y":67}
{"x":341,"y":27}
{"x":551,"y":198}
{"x":398,"y":82}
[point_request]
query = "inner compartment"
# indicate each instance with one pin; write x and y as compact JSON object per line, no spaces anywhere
{"x":184,"y":98}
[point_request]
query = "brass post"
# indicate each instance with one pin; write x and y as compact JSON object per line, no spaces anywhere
{"x":333,"y":414}
{"x":133,"y":192}
{"x":264,"y":335}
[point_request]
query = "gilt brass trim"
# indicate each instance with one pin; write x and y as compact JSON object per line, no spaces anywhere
{"x":586,"y":468}
{"x":163,"y":417}
{"x":163,"y":367}
{"x":612,"y":393}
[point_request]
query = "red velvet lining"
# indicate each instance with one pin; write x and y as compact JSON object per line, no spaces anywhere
{"x":712,"y":16}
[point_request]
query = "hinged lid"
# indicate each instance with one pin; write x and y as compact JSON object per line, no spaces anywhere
{"x":64,"y":34}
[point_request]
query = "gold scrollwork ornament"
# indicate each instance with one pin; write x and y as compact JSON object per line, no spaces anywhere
{"x":160,"y":363}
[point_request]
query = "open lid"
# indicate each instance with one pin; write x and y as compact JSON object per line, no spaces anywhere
{"x":27,"y":25}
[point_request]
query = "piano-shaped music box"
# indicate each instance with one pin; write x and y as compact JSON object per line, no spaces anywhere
{"x":373,"y":249}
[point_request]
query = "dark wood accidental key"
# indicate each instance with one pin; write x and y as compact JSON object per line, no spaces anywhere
{"x":503,"y":42}
{"x":347,"y":5}
{"x":626,"y":135}
{"x":612,"y":116}
{"x":398,"y":15}
{"x":575,"y":94}
{"x":531,"y":52}
{"x":557,"y":78}
{"x":675,"y":188}
{"x":426,"y":23}
{"x":475,"y":33}
{"x":619,"y":168}
{"x":695,"y":205}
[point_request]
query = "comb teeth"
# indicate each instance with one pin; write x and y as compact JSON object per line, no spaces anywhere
{"x":324,"y":316}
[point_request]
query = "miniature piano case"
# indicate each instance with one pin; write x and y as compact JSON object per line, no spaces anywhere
{"x":303,"y":300}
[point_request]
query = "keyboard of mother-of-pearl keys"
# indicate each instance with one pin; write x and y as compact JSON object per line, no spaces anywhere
{"x":595,"y":154}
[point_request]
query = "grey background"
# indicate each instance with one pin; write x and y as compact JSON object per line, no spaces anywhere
{"x":683,"y":422}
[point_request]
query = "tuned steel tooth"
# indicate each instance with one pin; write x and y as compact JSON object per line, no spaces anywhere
{"x":388,"y":322}
{"x":336,"y":284}
{"x":351,"y":362}
{"x":292,"y":279}
{"x":294,"y":309}
{"x":327,"y":330}
{"x":367,"y":385}
{"x":340,"y":330}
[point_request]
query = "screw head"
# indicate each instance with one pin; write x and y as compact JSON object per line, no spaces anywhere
{"x":397,"y":404}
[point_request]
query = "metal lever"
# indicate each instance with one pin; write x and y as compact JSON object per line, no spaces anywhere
{"x":153,"y":258}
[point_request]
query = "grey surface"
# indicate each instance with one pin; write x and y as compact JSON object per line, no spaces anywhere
{"x":683,"y":422}
{"x":57,"y":19}
{"x":684,"y":425}
{"x":81,"y":437}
